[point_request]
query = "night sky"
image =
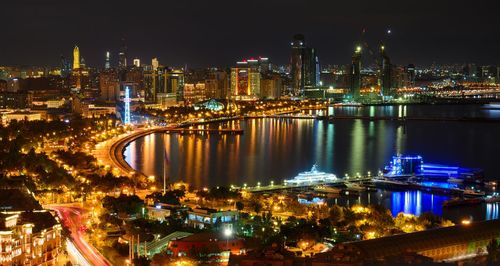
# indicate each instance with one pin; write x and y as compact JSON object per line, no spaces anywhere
{"x":218,"y":33}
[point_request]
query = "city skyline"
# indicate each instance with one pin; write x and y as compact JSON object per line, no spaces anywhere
{"x":203,"y":34}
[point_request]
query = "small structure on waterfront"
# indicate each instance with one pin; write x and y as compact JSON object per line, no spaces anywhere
{"x":204,"y":217}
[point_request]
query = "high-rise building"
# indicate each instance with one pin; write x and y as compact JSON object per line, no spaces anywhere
{"x":107,"y":64}
{"x":411,"y":71}
{"x":137,"y":62}
{"x":355,"y":74}
{"x":245,"y":80}
{"x":163,"y":84}
{"x":305,"y":70}
{"x":216,"y":85}
{"x":385,"y":73}
{"x":122,"y":56}
{"x":76,"y":58}
{"x":271,"y":86}
{"x":109,"y":86}
{"x":155,"y":63}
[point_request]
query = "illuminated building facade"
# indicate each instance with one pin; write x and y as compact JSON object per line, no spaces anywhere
{"x":107,"y":64}
{"x":79,"y":74}
{"x":271,"y":86}
{"x":194,"y":92}
{"x":109,"y":86}
{"x":122,"y":56}
{"x":163,"y":84}
{"x":76,"y":58}
{"x":216,"y":85}
{"x":305,"y":69}
{"x":245,"y":80}
{"x":203,"y":217}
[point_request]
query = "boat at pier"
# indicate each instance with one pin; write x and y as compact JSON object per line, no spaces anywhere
{"x":312,"y":177}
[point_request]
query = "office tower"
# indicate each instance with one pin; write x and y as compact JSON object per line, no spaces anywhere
{"x":355,"y":74}
{"x":305,"y":70}
{"x":245,"y":80}
{"x":122,"y":56}
{"x":163,"y":84}
{"x":109,"y":86}
{"x":385,"y":73}
{"x":155,"y":63}
{"x":271,"y":86}
{"x":107,"y":65}
{"x":137,"y":62}
{"x":216,"y":84}
{"x":65,"y":67}
{"x":76,"y":58}
{"x":296,"y":62}
{"x":411,"y":72}
{"x":83,"y":65}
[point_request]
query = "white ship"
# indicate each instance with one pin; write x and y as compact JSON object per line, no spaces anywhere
{"x":312,"y":177}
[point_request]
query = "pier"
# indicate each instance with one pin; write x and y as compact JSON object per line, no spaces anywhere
{"x":229,"y":131}
{"x":278,"y":187}
{"x":407,"y":118}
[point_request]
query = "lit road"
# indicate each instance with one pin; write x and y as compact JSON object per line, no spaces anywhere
{"x":73,"y":218}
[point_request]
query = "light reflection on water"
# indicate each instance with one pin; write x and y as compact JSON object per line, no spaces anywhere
{"x":278,"y":149}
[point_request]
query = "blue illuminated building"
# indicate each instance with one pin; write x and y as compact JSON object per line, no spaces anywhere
{"x":407,"y":166}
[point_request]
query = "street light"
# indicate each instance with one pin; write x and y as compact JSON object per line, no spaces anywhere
{"x":228,"y":233}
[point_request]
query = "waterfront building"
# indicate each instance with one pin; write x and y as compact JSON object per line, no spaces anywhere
{"x":194,"y":93}
{"x":245,"y":82}
{"x":271,"y":86}
{"x":203,"y":217}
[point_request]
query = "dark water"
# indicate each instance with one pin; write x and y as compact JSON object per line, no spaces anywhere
{"x":277,"y":149}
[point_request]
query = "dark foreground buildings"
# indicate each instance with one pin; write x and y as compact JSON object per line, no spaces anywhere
{"x":430,"y":247}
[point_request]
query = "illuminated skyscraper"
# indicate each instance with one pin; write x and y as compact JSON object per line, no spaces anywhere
{"x":385,"y":72}
{"x":76,"y":58}
{"x":107,"y":65}
{"x":137,"y":62}
{"x":305,"y":69}
{"x":122,"y":56}
{"x":245,"y":80}
{"x":355,"y":74}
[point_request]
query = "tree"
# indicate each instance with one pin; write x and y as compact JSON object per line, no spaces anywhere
{"x":493,"y":249}
{"x":335,"y":215}
{"x":141,"y":261}
{"x":257,"y":206}
{"x":240,"y":206}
